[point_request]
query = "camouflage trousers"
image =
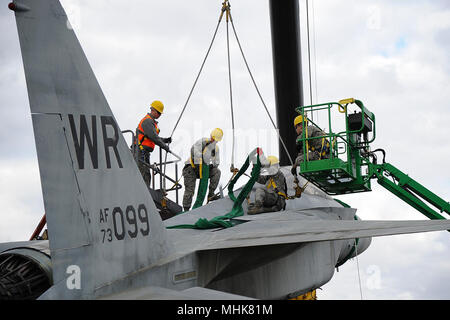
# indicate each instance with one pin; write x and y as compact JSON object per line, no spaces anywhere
{"x":190,"y":176}
{"x":144,"y":156}
{"x":312,"y":155}
{"x":268,"y":198}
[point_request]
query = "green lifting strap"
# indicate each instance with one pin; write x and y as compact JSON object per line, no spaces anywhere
{"x":202,"y":186}
{"x":237,"y":206}
{"x":225,"y":221}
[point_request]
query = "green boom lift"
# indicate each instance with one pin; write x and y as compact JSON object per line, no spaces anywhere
{"x":350,"y":164}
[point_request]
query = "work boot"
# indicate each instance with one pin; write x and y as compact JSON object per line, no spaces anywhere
{"x":280,"y":205}
{"x":213,"y":197}
{"x":255,"y":208}
{"x":186,"y":209}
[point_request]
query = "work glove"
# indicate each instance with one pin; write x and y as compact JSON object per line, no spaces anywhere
{"x":167,"y":140}
{"x":165,"y":147}
{"x":294,"y":170}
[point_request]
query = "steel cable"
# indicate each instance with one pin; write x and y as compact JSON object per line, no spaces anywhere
{"x":259,"y":93}
{"x":231,"y":94}
{"x":198,"y":75}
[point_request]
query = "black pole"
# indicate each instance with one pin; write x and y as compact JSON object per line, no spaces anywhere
{"x":287,"y":70}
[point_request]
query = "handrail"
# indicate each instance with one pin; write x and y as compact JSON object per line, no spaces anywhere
{"x":329,"y":105}
{"x":157,"y":167}
{"x":344,"y":135}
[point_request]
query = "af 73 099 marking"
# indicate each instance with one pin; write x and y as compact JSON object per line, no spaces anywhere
{"x":124,"y":222}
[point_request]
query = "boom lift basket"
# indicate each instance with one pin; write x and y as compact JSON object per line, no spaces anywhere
{"x":351,"y":170}
{"x":345,"y":169}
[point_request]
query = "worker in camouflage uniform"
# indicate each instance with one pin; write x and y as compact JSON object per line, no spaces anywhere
{"x":205,"y":151}
{"x":318,"y":148}
{"x":271,"y":197}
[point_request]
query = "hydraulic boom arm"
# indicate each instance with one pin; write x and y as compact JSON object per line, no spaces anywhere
{"x":409,"y":190}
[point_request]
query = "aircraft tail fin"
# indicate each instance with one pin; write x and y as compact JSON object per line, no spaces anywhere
{"x":101,"y":220}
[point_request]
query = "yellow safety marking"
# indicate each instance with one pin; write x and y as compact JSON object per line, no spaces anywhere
{"x":307,"y":296}
{"x":347,"y":101}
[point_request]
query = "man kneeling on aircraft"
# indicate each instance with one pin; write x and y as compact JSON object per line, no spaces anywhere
{"x":271,"y":197}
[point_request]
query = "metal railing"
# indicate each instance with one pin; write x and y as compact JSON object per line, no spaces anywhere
{"x":158,"y":168}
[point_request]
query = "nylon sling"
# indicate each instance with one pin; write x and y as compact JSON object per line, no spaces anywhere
{"x":226,"y":221}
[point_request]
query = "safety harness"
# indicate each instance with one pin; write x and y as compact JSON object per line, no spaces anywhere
{"x":272,"y":184}
{"x":324,"y":149}
{"x":200,"y":166}
{"x":203,"y":172}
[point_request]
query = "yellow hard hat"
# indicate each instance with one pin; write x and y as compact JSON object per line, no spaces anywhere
{"x":299,"y":119}
{"x":217,"y":134}
{"x":273,"y":160}
{"x":158,"y":106}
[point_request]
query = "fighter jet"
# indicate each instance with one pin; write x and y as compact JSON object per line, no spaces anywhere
{"x":106,"y":237}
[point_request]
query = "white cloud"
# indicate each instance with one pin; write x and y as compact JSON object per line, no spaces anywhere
{"x":21,"y":199}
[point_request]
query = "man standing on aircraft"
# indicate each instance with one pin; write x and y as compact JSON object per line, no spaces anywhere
{"x":147,"y":134}
{"x":318,"y":148}
{"x":271,"y":197}
{"x":205,"y":151}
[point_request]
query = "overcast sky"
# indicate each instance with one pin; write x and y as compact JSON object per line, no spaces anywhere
{"x":392,"y":55}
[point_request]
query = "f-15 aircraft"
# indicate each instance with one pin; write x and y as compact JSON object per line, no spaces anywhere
{"x":106,"y":238}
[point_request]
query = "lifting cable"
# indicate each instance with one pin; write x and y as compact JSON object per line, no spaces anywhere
{"x":308,"y":23}
{"x":198,"y":75}
{"x":309,"y":57}
{"x":226,"y":9}
{"x":357,"y":265}
{"x":195,"y":83}
{"x":259,"y":93}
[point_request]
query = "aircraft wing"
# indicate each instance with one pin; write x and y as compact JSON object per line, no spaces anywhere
{"x":259,"y":233}
{"x":291,"y":227}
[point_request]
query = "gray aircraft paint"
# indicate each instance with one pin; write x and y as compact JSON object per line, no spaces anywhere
{"x":97,"y":205}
